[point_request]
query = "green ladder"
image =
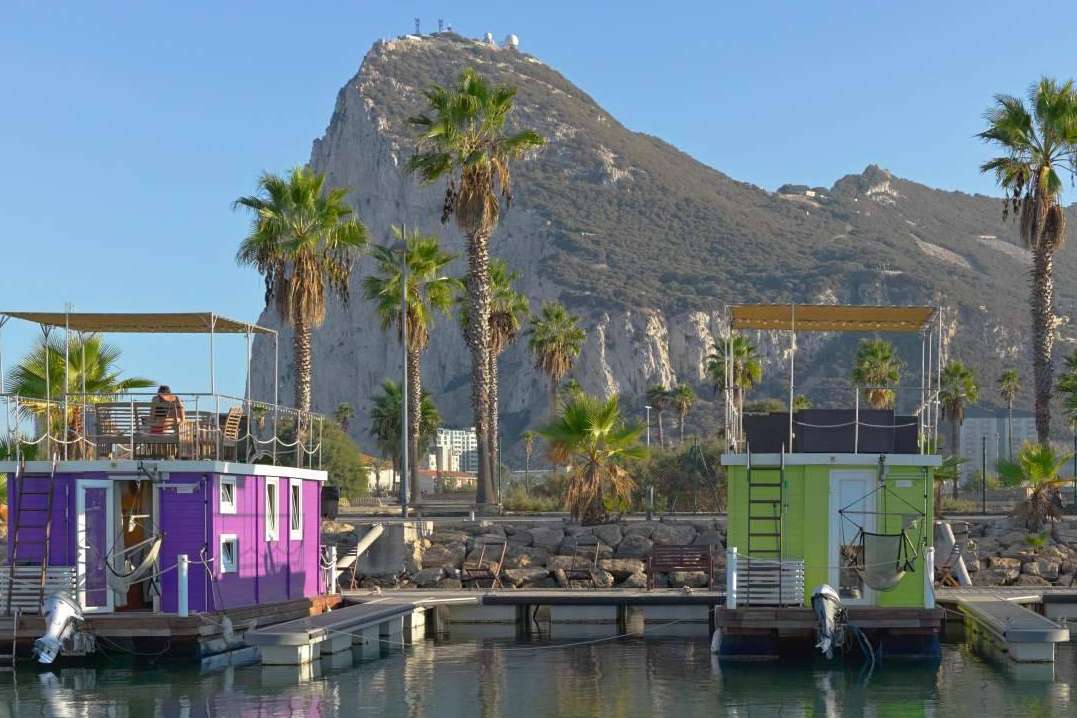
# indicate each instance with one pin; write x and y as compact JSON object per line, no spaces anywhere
{"x":766,"y":496}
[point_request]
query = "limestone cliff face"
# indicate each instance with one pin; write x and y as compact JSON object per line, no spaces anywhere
{"x":647,"y":245}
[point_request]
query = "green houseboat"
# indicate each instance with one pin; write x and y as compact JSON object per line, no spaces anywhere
{"x":834,"y":500}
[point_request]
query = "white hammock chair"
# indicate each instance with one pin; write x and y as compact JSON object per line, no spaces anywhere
{"x":121,"y":581}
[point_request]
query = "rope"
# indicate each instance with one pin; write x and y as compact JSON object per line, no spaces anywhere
{"x":855,"y":423}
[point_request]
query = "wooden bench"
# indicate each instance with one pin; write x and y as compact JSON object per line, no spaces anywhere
{"x":664,"y":559}
{"x":115,"y":425}
{"x":484,"y":569}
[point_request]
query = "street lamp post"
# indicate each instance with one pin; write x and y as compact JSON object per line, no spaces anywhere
{"x":648,"y":408}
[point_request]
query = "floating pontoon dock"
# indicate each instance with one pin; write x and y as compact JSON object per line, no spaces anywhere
{"x":403,"y":617}
{"x":1000,"y":617}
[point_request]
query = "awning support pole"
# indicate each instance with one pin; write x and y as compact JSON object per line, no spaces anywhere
{"x":792,"y":367}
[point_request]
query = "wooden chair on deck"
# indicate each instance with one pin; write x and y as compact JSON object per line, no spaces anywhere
{"x":584,"y":564}
{"x":484,"y":569}
{"x":230,"y":431}
{"x":115,"y":425}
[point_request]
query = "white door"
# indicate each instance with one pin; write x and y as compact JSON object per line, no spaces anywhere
{"x":849,"y":492}
{"x":93,"y":537}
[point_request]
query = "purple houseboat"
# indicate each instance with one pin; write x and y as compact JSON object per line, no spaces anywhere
{"x":158,"y":504}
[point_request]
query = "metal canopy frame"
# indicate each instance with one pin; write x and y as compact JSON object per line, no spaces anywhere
{"x":147,"y":323}
{"x":791,"y":318}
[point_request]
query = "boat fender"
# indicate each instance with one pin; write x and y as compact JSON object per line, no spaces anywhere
{"x":716,"y":641}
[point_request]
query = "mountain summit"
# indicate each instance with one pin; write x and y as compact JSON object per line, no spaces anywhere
{"x":649,"y":244}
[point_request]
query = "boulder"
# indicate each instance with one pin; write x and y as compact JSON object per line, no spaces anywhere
{"x":1029,"y":580}
{"x":445,"y":536}
{"x":548,"y":538}
{"x":1064,"y":579}
{"x":555,"y":563}
{"x":1043,"y":567}
{"x":521,"y":537}
{"x":448,"y":554}
{"x":634,"y":545}
{"x":1004,"y":563}
{"x":661,"y":580}
{"x":428,"y":577}
{"x":636,"y":580}
{"x":710,"y":537}
{"x":609,"y":534}
{"x":587,"y":545}
{"x":603,"y":579}
{"x":516,"y":577}
{"x":547,"y":582}
{"x":450,"y":583}
{"x":673,"y":534}
{"x":692,"y":579}
{"x":482,"y":539}
{"x":621,"y":568}
{"x":1014,"y":538}
{"x":520,"y":556}
{"x":640,"y":528}
{"x":560,"y":577}
{"x":990,"y":577}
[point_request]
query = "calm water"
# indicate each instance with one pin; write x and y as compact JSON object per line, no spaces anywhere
{"x":482,"y":677}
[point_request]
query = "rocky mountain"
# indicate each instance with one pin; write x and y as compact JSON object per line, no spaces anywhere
{"x":648,"y":245}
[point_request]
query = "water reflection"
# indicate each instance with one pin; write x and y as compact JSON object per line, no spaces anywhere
{"x":501,"y":676}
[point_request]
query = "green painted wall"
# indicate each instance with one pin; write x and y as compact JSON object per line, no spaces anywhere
{"x":805,"y":520}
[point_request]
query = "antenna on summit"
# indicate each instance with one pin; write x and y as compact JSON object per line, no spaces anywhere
{"x":441,"y":25}
{"x":417,"y":27}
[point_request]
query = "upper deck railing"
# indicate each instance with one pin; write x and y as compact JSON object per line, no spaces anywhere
{"x":131,"y":425}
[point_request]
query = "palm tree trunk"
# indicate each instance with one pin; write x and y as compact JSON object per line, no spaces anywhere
{"x":661,"y":437}
{"x":415,"y":405}
{"x":955,"y":440}
{"x":301,"y":342}
{"x":684,"y":415}
{"x":1043,"y":337}
{"x":553,"y":397}
{"x":495,"y":428}
{"x":478,"y":340}
{"x":1009,"y":429}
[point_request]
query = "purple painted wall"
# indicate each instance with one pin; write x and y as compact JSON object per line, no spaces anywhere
{"x":268,"y":570}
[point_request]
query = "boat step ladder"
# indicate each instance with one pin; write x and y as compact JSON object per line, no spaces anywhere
{"x":766,"y":498}
{"x":31,"y":530}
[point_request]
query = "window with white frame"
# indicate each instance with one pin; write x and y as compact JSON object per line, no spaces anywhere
{"x":272,"y":510}
{"x":295,"y":509}
{"x":228,"y":494}
{"x":228,"y":555}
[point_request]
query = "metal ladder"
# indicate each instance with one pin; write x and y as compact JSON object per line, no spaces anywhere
{"x":765,"y":500}
{"x":24,"y":526}
{"x":7,"y":660}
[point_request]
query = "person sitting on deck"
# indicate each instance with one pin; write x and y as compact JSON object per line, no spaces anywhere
{"x":166,"y":411}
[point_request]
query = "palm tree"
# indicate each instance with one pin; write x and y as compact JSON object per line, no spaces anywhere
{"x":1039,"y":142}
{"x":385,"y":415}
{"x":747,"y":369}
{"x":303,"y":241}
{"x":463,"y":139}
{"x":681,"y":397}
{"x":429,"y":292}
{"x":877,"y":367}
{"x":658,"y":398}
{"x":556,"y":339}
{"x":801,"y":402}
{"x":1009,"y":384}
{"x":91,"y":370}
{"x":344,"y":414}
{"x":591,"y":436}
{"x":508,"y":308}
{"x":957,"y":391}
{"x":1036,"y":468}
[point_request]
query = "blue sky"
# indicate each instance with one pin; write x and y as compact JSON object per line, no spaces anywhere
{"x":129,"y":127}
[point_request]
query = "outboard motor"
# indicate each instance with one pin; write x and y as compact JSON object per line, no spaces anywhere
{"x":830,"y":619}
{"x":61,"y":613}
